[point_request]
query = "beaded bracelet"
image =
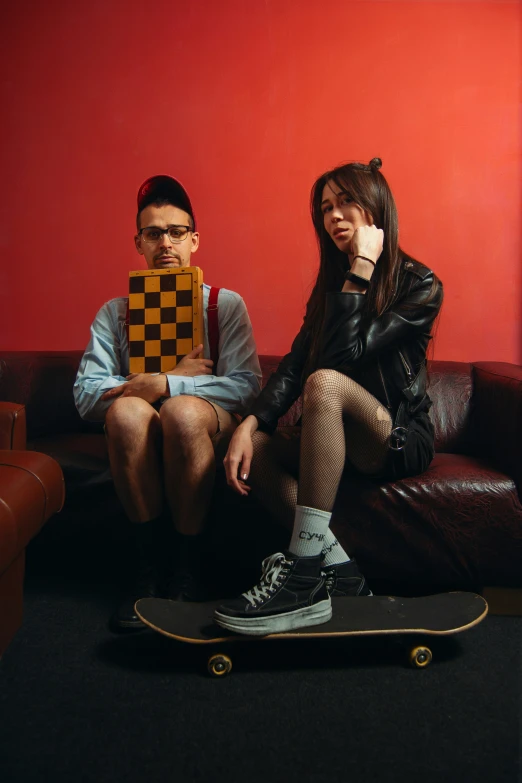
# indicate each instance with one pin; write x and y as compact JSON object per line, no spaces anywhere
{"x":357,"y":279}
{"x":365,"y":259}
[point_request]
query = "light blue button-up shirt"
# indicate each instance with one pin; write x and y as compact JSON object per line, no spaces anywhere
{"x":105,"y":363}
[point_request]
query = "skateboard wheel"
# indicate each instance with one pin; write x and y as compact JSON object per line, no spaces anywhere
{"x":420,"y":657}
{"x":219,"y":665}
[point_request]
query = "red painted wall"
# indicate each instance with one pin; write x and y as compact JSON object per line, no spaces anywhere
{"x":247,"y":102}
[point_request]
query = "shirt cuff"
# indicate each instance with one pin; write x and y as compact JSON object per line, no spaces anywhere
{"x":181,"y":385}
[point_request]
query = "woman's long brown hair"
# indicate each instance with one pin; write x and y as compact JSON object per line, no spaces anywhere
{"x":366,"y":186}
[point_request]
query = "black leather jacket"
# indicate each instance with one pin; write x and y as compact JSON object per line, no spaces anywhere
{"x":386,"y":355}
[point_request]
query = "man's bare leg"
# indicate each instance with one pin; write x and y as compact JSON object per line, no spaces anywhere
{"x":188,"y":425}
{"x":134,"y":443}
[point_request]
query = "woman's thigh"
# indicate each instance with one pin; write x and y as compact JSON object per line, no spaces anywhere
{"x":367,"y":425}
{"x":367,"y":428}
{"x":343,"y":411}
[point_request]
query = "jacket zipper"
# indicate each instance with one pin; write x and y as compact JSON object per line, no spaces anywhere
{"x":383,"y":384}
{"x":406,"y":367}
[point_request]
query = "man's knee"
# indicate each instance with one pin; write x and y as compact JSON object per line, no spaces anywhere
{"x":186,"y":415}
{"x":129,"y":415}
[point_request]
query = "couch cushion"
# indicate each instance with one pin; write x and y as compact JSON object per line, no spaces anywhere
{"x":450,"y":388}
{"x":497,"y":415}
{"x":83,"y":459}
{"x":43,"y":382}
{"x":456,"y":525}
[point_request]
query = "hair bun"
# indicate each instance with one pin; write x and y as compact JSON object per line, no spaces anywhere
{"x":375,"y":164}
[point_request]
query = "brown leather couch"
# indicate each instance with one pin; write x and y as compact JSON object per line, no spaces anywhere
{"x":459,"y":525}
{"x":31,"y":491}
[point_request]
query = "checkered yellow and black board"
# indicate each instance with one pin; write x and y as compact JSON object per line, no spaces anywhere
{"x":165,"y":317}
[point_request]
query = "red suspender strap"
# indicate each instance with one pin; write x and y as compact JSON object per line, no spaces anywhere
{"x":213,"y":326}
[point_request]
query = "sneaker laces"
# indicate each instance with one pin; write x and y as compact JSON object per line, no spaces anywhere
{"x":274,"y":568}
{"x":330,"y":578}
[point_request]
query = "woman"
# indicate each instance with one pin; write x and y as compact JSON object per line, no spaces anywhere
{"x":360,"y":361}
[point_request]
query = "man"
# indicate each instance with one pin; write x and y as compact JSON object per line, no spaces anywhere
{"x":164,"y":430}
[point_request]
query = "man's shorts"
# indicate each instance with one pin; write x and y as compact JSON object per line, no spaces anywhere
{"x":227,"y":423}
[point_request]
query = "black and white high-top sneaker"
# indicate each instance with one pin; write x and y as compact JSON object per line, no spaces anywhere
{"x":345,"y":579}
{"x":291,"y":594}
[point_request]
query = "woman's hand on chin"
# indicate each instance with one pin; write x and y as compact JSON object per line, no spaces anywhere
{"x":367,"y":241}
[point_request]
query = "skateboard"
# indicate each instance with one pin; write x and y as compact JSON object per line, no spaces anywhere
{"x":432,"y":615}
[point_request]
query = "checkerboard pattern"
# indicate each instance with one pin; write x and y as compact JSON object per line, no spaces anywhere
{"x":165,"y":317}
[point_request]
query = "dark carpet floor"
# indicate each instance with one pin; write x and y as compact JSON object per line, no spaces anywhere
{"x":79,"y":704}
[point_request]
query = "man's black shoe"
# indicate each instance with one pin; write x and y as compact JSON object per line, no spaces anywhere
{"x":150,"y":544}
{"x":291,"y":594}
{"x":125,"y":618}
{"x":185,"y":585}
{"x":185,"y":581}
{"x":345,"y":579}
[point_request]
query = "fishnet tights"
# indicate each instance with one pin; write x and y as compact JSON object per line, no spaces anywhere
{"x":341,"y":420}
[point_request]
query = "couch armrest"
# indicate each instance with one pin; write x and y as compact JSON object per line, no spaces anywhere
{"x":31,"y":490}
{"x":13,"y":429}
{"x":497,"y":415}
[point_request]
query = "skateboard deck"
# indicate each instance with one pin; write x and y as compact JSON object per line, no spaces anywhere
{"x":442,"y":614}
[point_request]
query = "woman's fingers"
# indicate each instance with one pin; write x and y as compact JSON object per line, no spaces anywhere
{"x":244,"y":467}
{"x":244,"y":489}
{"x":231,"y":463}
{"x":243,"y":473}
{"x":237,"y":462}
{"x":238,"y":485}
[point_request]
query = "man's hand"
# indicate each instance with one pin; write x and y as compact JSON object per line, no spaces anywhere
{"x":239,"y":456}
{"x":149,"y":387}
{"x":192,"y":364}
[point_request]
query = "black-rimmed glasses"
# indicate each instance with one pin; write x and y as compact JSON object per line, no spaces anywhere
{"x":153,"y":234}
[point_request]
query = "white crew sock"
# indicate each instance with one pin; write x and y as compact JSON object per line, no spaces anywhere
{"x":310,"y":528}
{"x":333,"y":553}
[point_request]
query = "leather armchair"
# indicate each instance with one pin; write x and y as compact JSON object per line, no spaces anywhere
{"x":31,"y":491}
